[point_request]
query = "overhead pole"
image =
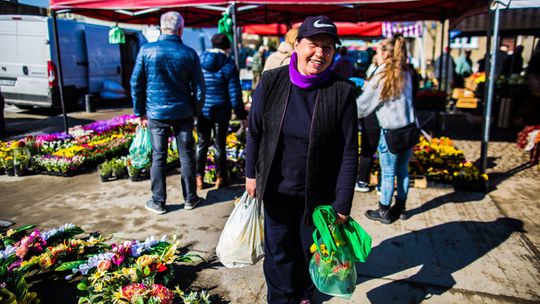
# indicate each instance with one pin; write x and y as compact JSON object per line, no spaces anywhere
{"x":59,"y":70}
{"x":491,"y":86}
{"x":441,"y":63}
{"x":235,"y":35}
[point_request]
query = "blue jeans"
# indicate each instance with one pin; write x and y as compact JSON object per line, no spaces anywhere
{"x":393,"y":165}
{"x":182,"y":130}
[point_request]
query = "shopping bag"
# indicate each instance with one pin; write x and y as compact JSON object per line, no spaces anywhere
{"x":140,"y":150}
{"x":333,"y":274}
{"x":241,"y":241}
{"x":335,"y":250}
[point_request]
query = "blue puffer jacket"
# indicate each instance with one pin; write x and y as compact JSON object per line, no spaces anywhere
{"x":167,"y":81}
{"x":223,"y":90}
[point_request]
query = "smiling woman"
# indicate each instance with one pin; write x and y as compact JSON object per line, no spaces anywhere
{"x":301,"y":153}
{"x":314,"y":54}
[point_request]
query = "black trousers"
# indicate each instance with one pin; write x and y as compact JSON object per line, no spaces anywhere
{"x":205,"y":127}
{"x":286,"y":247}
{"x":371,"y":131}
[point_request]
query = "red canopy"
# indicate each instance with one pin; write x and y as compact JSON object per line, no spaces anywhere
{"x":274,"y":29}
{"x":360,"y":29}
{"x":208,"y":12}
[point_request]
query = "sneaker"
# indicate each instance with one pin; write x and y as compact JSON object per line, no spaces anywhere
{"x":156,"y":208}
{"x":192,"y":205}
{"x":362,"y":186}
{"x":382,"y":214}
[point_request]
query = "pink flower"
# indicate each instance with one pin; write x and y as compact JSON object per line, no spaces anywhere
{"x":104,"y":265}
{"x":163,"y":293}
{"x":135,"y":289}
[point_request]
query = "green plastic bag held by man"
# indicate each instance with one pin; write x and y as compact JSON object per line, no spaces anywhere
{"x":140,"y":150}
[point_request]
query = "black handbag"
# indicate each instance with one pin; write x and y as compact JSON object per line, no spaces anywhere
{"x":402,"y":139}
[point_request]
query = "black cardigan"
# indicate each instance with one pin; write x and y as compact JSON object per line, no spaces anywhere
{"x":327,"y":178}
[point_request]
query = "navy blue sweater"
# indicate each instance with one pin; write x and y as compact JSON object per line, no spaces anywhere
{"x":288,"y":172}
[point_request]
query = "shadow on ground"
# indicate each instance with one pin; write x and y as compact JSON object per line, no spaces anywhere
{"x":439,"y":251}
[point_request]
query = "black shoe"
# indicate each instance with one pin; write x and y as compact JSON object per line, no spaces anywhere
{"x":382,"y":214}
{"x":156,"y":208}
{"x":398,"y":210}
{"x":193,"y":204}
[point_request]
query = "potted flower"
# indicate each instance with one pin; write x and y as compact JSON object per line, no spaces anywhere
{"x":7,"y":163}
{"x":21,"y":159}
{"x":105,"y":171}
{"x":132,"y":171}
{"x":119,"y":167}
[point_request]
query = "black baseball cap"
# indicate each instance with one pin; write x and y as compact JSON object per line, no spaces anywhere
{"x":318,"y":25}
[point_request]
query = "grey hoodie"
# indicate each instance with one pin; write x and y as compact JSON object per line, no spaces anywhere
{"x":392,"y":114}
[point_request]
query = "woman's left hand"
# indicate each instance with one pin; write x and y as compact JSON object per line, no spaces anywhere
{"x":341,"y":219}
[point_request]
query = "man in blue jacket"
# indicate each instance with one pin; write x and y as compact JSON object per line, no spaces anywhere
{"x":167,"y":87}
{"x":223,"y":93}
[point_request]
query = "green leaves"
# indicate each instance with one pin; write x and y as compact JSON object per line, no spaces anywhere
{"x":82,"y":286}
{"x":69,"y":265}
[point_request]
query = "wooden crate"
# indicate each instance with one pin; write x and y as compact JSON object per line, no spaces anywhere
{"x":417,"y":181}
{"x":467,"y":103}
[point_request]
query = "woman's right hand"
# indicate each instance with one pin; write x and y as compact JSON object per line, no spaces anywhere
{"x":251,"y":183}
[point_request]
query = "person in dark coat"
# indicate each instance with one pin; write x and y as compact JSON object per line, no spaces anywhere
{"x":302,"y":152}
{"x":223,"y":93}
{"x":513,"y":64}
{"x":167,"y":87}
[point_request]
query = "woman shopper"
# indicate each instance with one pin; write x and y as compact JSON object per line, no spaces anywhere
{"x":371,"y":132}
{"x":389,"y":94}
{"x":223,"y":94}
{"x":302,"y":151}
{"x":283,"y":54}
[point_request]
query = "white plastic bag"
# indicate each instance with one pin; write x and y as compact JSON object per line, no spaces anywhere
{"x":241,"y":241}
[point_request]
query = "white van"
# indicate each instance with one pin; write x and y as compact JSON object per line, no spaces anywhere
{"x":28,"y":60}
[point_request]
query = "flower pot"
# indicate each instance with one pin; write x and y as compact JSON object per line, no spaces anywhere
{"x":10,"y":171}
{"x":20,"y":171}
{"x":104,"y":178}
{"x":2,"y":171}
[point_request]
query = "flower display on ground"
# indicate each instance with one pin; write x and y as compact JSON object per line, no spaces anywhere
{"x":127,"y":272}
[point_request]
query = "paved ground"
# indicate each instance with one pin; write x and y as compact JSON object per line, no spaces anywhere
{"x":456,"y":247}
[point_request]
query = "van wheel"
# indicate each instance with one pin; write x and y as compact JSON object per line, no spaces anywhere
{"x":23,"y":107}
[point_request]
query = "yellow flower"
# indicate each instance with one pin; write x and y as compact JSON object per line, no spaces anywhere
{"x":313,"y":248}
{"x":145,"y":260}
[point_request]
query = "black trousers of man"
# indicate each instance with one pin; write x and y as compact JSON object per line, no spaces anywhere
{"x":371,"y":131}
{"x":286,"y":247}
{"x":205,"y":128}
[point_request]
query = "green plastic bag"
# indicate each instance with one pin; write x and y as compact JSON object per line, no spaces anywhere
{"x":225,"y":27}
{"x":116,"y":36}
{"x":140,"y":150}
{"x":333,"y":273}
{"x":338,"y":247}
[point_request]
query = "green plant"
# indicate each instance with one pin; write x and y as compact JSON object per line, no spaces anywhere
{"x":119,"y":166}
{"x":105,"y":168}
{"x":21,"y":157}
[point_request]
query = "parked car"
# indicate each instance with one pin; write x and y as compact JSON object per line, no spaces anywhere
{"x":28,"y":73}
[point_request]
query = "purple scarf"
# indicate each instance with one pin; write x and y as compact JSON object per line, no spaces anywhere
{"x":306,"y":81}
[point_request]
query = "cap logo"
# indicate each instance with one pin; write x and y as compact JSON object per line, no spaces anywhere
{"x":318,"y":24}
